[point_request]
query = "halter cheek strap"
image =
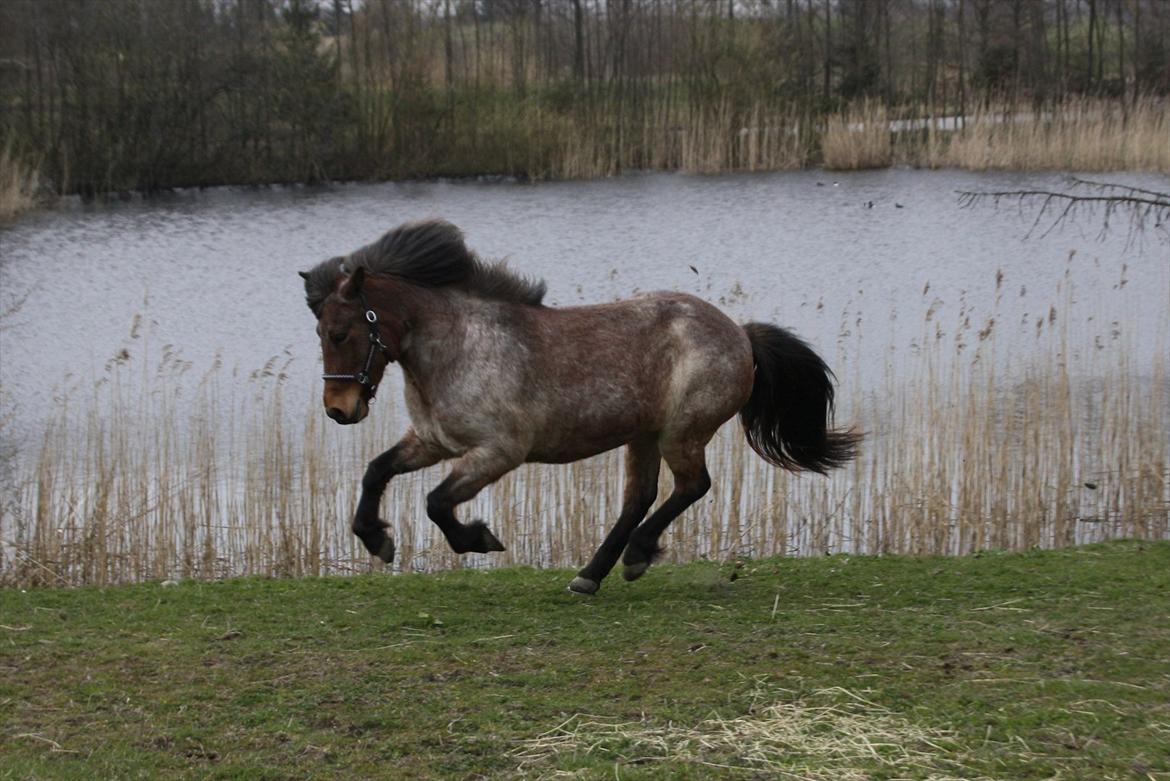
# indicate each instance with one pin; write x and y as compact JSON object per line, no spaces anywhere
{"x":362,"y":378}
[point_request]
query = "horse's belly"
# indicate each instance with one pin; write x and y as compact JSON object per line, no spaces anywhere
{"x":585,"y":431}
{"x":564,"y":452}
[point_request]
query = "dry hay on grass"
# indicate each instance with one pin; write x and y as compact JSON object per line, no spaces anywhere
{"x":830,"y":735}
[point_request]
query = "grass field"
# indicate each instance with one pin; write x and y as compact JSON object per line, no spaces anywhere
{"x":1050,"y":664}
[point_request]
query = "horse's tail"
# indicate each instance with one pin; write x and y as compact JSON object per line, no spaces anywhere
{"x":788,"y":417}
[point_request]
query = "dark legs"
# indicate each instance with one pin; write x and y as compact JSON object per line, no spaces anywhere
{"x":408,"y":455}
{"x":483,"y":466}
{"x":642,"y":464}
{"x":471,"y":473}
{"x":639,"y":538}
{"x":691,"y":482}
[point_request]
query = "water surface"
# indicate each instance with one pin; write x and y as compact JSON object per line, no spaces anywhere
{"x":834,"y":256}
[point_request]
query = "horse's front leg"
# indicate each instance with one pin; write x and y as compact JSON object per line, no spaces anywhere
{"x":471,"y":473}
{"x":409,"y":454}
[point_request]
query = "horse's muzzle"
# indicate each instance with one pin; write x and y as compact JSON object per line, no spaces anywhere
{"x":356,"y":416}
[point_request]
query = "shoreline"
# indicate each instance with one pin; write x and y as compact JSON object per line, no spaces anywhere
{"x":1086,"y":137}
{"x":75,"y":201}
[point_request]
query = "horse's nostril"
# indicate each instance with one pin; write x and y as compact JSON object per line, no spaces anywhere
{"x":336,"y":414}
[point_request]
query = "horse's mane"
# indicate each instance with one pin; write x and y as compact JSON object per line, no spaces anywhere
{"x":431,"y":254}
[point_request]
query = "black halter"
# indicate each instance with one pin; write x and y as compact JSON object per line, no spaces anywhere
{"x":363,"y":377}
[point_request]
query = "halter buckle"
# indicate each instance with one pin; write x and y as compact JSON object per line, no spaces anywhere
{"x":371,"y":316}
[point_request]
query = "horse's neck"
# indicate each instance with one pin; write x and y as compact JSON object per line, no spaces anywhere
{"x":451,"y":336}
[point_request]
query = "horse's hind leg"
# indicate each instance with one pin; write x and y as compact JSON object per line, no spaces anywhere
{"x":642,"y":464}
{"x":691,"y":482}
{"x":471,"y":473}
{"x":408,"y":455}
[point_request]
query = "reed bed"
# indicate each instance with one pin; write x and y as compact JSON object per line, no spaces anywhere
{"x":154,"y":475}
{"x":674,"y":137}
{"x":599,"y":136}
{"x":1079,"y":135}
{"x":18,"y":184}
{"x":858,"y":138}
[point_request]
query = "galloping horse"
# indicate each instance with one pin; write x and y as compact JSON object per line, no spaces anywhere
{"x":494,"y":379}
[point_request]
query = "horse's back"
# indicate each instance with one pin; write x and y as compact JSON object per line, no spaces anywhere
{"x":662,"y":363}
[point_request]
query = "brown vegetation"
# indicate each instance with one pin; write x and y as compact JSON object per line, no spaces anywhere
{"x":144,"y":94}
{"x":858,"y":138}
{"x":18,"y":185}
{"x":1085,"y":135}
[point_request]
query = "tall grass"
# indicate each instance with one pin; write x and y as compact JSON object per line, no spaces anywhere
{"x":155,"y":475}
{"x":18,"y":184}
{"x":599,"y":140}
{"x":858,"y":138}
{"x":1079,"y":135}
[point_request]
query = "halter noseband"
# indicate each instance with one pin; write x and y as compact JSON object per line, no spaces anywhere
{"x":362,"y":378}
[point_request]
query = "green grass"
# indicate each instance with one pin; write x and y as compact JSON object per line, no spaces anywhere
{"x":1037,"y":665}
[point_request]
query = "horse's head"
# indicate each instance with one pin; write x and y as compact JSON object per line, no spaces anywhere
{"x":359,"y":339}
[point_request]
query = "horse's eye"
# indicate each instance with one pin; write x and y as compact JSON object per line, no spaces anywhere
{"x":337,"y":337}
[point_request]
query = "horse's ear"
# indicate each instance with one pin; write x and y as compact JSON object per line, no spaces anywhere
{"x":303,"y":274}
{"x":351,"y":288}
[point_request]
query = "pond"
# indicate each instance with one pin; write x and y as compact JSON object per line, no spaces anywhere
{"x":214,"y":271}
{"x":883,"y":272}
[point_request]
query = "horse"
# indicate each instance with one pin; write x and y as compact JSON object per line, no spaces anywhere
{"x":494,"y":378}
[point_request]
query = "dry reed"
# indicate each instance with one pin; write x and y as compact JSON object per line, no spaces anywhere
{"x":143,"y":476}
{"x":1080,"y":135}
{"x":18,"y":184}
{"x":858,"y":138}
{"x":674,"y":138}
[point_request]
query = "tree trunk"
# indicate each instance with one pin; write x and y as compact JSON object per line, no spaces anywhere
{"x":828,"y":51}
{"x":578,"y":41}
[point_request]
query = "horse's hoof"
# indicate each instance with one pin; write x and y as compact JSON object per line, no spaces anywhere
{"x":386,"y":551}
{"x":583,"y":587}
{"x":635,"y":571}
{"x":487,"y":541}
